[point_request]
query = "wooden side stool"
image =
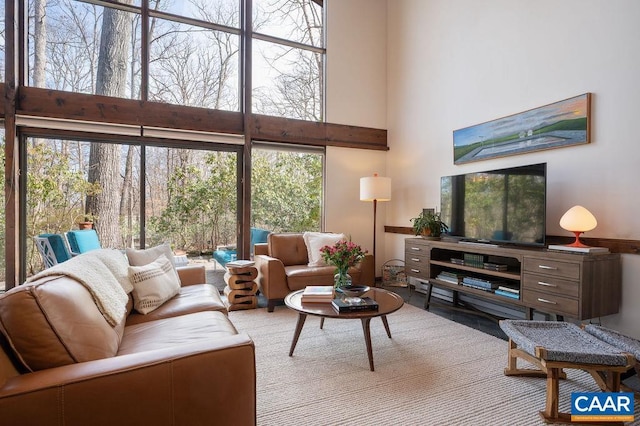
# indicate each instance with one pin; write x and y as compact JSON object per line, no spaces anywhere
{"x":553,"y":346}
{"x":241,"y":289}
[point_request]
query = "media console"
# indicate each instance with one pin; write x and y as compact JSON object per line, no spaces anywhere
{"x":579,"y":286}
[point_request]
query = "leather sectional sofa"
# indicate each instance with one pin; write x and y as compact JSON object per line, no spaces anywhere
{"x":283,"y":267}
{"x":182,"y":364}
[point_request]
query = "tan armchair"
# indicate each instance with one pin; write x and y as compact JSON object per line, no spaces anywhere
{"x":282,"y":264}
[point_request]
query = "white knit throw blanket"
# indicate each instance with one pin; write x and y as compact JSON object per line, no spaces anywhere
{"x":104,"y":273}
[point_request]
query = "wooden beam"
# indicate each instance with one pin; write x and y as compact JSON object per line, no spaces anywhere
{"x":79,"y":106}
{"x":614,"y":245}
{"x":58,"y":104}
{"x":287,"y":130}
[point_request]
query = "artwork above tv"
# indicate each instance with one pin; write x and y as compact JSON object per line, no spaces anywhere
{"x":506,"y":206}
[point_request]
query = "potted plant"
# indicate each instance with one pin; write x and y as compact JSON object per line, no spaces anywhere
{"x":429,"y":224}
{"x":86,"y":221}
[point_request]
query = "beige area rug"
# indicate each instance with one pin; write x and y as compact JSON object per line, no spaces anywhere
{"x":432,"y":372}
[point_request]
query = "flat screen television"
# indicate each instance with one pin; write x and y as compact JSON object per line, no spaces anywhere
{"x":506,"y":206}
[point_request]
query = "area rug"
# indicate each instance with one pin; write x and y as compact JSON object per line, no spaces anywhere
{"x":432,"y":372}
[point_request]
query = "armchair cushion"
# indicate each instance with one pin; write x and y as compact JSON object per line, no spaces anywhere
{"x":315,"y":241}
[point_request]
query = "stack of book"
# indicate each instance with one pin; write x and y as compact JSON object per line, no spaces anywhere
{"x":450,"y":277}
{"x":473,"y":259}
{"x":480,"y":283}
{"x":354,"y":304}
{"x":457,"y":261}
{"x":317,"y":294}
{"x":495,"y":266}
{"x":507,"y":291}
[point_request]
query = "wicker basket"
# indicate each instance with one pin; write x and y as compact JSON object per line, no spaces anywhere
{"x":393,"y":273}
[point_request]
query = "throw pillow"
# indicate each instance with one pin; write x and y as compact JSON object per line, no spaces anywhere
{"x":315,"y":241}
{"x":146,"y":256}
{"x":153,"y":284}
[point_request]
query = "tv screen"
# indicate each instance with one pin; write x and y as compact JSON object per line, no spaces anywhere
{"x":497,"y":206}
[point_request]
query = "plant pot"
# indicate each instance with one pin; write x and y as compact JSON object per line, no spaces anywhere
{"x":85,"y":225}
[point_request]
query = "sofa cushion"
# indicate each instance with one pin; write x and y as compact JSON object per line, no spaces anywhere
{"x":289,"y":248}
{"x":315,"y":241}
{"x":153,"y":284}
{"x":145,"y":256}
{"x":55,"y":321}
{"x":190,"y":299}
{"x":170,"y":332}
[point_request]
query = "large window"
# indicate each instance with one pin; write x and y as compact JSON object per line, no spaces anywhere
{"x":183,"y":52}
{"x":287,"y":188}
{"x":141,"y":187}
{"x":190,"y":195}
{"x":84,"y":48}
{"x":288,"y":58}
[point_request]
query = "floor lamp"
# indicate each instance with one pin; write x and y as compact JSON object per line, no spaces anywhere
{"x":375,"y":188}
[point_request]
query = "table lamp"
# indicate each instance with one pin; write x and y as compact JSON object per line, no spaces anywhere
{"x":578,"y":220}
{"x":375,"y":188}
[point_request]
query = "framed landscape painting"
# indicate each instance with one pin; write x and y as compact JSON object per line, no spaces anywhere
{"x":556,"y":125}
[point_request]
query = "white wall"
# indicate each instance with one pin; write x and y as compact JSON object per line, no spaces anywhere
{"x":456,"y":63}
{"x":356,"y":95}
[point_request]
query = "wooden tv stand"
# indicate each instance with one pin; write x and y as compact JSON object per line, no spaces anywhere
{"x":579,"y":286}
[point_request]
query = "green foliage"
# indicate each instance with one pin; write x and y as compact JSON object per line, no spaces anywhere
{"x":55,"y":194}
{"x":287,"y":190}
{"x":200,"y":213}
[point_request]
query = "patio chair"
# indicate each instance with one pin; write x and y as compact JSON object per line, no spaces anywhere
{"x":52,"y":248}
{"x":225,"y":254}
{"x":82,"y":241}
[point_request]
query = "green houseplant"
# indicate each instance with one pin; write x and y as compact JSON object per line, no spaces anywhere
{"x":429,"y":224}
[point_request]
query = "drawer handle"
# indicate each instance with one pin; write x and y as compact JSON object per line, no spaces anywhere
{"x":415,"y":248}
{"x":553,"y":268}
{"x":415,"y":259}
{"x":546,"y":301}
{"x":417,"y":271}
{"x":547,"y":284}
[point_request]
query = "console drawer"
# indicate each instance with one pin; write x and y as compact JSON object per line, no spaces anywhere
{"x":416,"y":248}
{"x":551,"y":303}
{"x":416,"y":269}
{"x":548,"y":284}
{"x":553,"y":268}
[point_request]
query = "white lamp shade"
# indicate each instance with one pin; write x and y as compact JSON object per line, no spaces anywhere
{"x":577,"y":218}
{"x":375,"y":188}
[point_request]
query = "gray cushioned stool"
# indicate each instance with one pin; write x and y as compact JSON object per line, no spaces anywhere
{"x":553,"y":346}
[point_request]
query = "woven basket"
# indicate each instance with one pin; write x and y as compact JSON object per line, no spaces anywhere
{"x":393,"y":273}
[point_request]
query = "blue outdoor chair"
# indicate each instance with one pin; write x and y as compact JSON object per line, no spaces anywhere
{"x":82,"y":241}
{"x":224,"y":255}
{"x":52,"y":248}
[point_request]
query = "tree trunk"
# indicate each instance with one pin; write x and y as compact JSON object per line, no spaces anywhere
{"x":104,"y":158}
{"x":39,"y":42}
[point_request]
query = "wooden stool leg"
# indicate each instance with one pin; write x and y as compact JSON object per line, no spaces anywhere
{"x":550,"y":413}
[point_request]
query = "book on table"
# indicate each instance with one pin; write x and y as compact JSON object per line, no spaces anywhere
{"x":239,"y":263}
{"x":317,"y":294}
{"x":341,"y":305}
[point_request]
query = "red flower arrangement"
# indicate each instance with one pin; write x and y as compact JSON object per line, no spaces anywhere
{"x":343,"y":254}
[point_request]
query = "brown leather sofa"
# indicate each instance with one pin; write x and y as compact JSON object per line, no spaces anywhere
{"x":282,"y":264}
{"x":63,"y":363}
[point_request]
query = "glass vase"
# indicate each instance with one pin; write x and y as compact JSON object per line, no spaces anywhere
{"x":342,"y":278}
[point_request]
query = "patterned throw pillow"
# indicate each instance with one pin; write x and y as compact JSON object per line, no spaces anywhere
{"x":153,"y":284}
